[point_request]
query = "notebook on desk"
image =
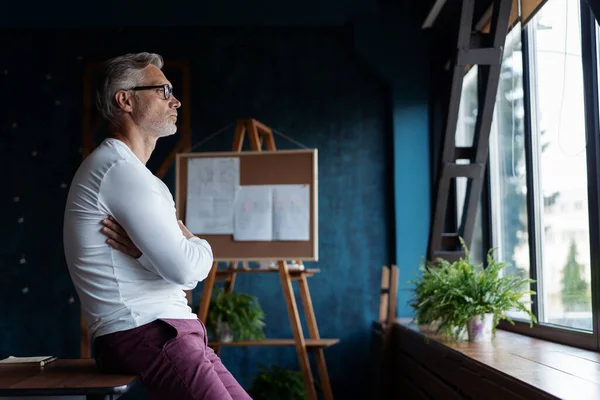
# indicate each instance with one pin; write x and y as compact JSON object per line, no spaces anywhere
{"x":39,"y":360}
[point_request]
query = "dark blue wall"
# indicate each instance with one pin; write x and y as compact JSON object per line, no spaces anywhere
{"x":364,"y":107}
{"x":398,"y":51}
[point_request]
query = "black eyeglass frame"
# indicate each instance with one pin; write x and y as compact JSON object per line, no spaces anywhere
{"x":167,"y":89}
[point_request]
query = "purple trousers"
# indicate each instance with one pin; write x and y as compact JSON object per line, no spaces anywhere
{"x":172,"y":358}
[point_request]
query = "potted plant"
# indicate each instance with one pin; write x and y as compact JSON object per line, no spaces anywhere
{"x":277,"y":383}
{"x":427,"y":293}
{"x":234,"y":316}
{"x":461,"y":294}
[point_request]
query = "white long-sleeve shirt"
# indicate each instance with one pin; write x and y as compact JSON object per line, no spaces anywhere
{"x":117,"y":291}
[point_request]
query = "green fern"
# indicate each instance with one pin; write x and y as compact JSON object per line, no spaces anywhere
{"x":240,"y":311}
{"x":277,"y":383}
{"x":450,"y":293}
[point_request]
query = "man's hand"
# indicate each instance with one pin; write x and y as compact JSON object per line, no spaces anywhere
{"x":118,"y":238}
{"x":185,"y":230}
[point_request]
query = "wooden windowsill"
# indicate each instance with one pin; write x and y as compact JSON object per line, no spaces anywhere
{"x":558,"y":370}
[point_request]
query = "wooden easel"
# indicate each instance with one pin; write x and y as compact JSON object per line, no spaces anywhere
{"x":257,"y":135}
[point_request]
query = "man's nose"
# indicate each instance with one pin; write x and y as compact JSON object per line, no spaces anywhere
{"x":174,"y":102}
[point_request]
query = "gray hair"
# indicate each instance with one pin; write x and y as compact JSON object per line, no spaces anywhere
{"x":120,"y":73}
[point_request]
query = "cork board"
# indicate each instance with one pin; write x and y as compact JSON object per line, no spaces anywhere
{"x":281,"y":167}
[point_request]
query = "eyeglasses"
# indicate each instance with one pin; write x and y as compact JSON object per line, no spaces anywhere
{"x":167,"y":90}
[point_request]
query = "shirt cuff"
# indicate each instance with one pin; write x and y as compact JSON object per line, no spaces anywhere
{"x":203,"y":243}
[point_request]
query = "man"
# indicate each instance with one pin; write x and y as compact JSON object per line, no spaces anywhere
{"x":131,"y":285}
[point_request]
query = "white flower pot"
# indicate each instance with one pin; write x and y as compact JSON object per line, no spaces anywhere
{"x":223,"y":332}
{"x":480,"y":328}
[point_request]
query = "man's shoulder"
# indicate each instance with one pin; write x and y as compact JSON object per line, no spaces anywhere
{"x":102,"y":160}
{"x":105,"y":157}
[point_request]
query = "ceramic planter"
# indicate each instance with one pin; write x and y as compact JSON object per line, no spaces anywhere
{"x":223,"y":332}
{"x":480,"y":328}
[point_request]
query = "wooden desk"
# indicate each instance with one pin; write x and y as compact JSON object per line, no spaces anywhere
{"x":63,"y":378}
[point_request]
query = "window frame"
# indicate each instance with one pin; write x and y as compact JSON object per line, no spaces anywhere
{"x":590,"y":61}
{"x":589,"y":43}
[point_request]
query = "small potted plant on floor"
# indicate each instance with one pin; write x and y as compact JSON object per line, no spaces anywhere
{"x":234,"y":316}
{"x":277,"y":383}
{"x":462,"y":294}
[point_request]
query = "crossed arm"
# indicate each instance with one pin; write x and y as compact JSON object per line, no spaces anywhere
{"x":119,"y":240}
{"x":142,"y":224}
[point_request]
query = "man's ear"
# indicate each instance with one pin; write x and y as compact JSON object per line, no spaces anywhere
{"x":124,"y":100}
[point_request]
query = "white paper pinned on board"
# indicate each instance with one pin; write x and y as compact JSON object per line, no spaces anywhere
{"x":212,"y":185}
{"x":253,"y":216}
{"x":272,"y":213}
{"x":291,"y":210}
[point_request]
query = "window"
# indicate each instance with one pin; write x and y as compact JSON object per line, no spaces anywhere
{"x":548,"y":168}
{"x":539,"y":216}
{"x":560,"y":172}
{"x":508,"y":175}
